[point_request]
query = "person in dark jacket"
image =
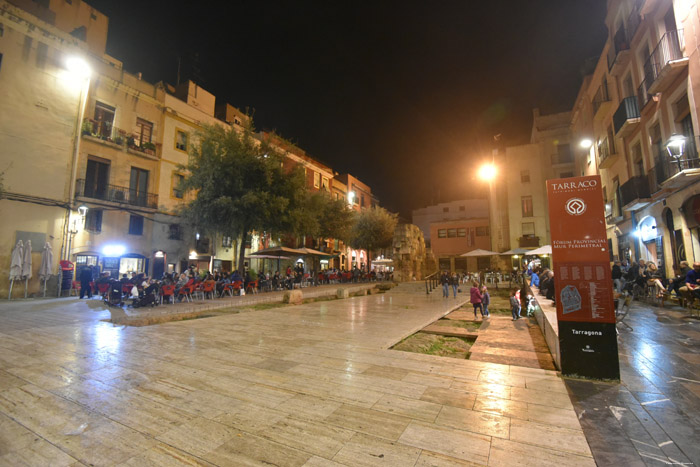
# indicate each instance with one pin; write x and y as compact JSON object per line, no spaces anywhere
{"x":617,"y":276}
{"x":445,"y":281}
{"x":85,"y":279}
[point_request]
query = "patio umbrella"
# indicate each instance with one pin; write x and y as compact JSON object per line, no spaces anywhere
{"x":480,"y":252}
{"x":46,"y":269}
{"x":543,"y":250}
{"x":27,"y":265}
{"x":277,"y":252}
{"x":16,"y":265}
{"x":516,"y":251}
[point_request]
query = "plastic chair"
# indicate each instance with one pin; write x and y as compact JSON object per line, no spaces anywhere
{"x":208,"y":288}
{"x":102,"y":289}
{"x":186,"y":291}
{"x":75,"y":288}
{"x":252,"y":287}
{"x":167,"y":292}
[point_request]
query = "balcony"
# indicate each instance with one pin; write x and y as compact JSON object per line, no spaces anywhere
{"x":620,"y":54}
{"x":626,"y":117}
{"x":606,"y":154}
{"x":613,"y":215}
{"x":116,"y":194}
{"x":674,"y":174}
{"x":103,"y":132}
{"x":529,"y":242}
{"x":633,"y":22}
{"x":635,"y":193}
{"x":666,"y":62}
{"x":601,"y":102}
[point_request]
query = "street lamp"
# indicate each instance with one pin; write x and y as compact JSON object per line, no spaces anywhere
{"x":82,"y":210}
{"x":586,"y":143}
{"x":675,"y":147}
{"x":487,"y":172}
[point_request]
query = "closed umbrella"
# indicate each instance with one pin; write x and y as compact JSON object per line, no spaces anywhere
{"x":27,"y":265}
{"x":16,"y":265}
{"x":46,"y":269}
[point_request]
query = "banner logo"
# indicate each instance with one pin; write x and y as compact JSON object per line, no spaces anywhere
{"x":575,"y":206}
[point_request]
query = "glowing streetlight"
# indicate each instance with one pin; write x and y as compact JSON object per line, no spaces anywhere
{"x":676,"y":147}
{"x":351,"y":197}
{"x":586,"y":143}
{"x":487,"y":172}
{"x":78,"y":67}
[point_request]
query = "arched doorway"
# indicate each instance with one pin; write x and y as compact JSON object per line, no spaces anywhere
{"x":651,"y":241}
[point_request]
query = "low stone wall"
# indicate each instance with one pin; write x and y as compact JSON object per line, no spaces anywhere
{"x":546,"y":316}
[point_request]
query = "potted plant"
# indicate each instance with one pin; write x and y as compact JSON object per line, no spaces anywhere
{"x":87,"y":127}
{"x":149,"y":148}
{"x":131,"y":142}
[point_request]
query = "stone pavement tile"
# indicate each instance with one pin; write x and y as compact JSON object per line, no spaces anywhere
{"x":308,"y":407}
{"x":410,"y":408}
{"x":141,"y":414}
{"x":371,"y":422}
{"x":274,"y":364}
{"x":170,"y":392}
{"x":474,"y":421}
{"x":316,"y":461}
{"x":264,"y":395}
{"x":505,"y":407}
{"x":12,"y":359}
{"x":321,"y":439}
{"x":504,"y":379}
{"x":198,"y":436}
{"x":453,"y":443}
{"x":565,"y":418}
{"x":249,"y":449}
{"x":546,"y":383}
{"x":483,"y":389}
{"x":19,"y":446}
{"x":433,"y":459}
{"x":249,"y":417}
{"x":511,"y":453}
{"x":541,"y":397}
{"x":549,"y":436}
{"x":365,"y":450}
{"x":429,"y":380}
{"x":164,"y":455}
{"x":397,"y":374}
{"x":450,"y":397}
{"x":43,"y":375}
{"x":8,"y":381}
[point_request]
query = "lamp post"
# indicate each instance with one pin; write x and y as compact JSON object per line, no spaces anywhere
{"x":487,"y":173}
{"x":676,"y":147}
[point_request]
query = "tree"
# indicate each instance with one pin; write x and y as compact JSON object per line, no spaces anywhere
{"x":373,"y":229}
{"x":239,"y":186}
{"x":333,"y":216}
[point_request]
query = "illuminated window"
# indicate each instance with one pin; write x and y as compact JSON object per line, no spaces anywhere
{"x":526,"y":205}
{"x":325,"y":185}
{"x":442,"y":233}
{"x":181,"y":140}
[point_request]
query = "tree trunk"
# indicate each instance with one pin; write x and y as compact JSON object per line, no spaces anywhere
{"x":241,"y":254}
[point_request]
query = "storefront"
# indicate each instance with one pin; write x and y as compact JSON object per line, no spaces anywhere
{"x":651,"y":242}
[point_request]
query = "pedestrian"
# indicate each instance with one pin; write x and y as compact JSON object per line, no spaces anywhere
{"x":515,"y":304}
{"x":616,"y":273}
{"x":475,"y":299}
{"x":455,"y":283}
{"x":85,"y":280}
{"x":445,"y":281}
{"x":485,"y":300}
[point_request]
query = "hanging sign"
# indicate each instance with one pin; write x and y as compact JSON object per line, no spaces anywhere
{"x":582,"y":278}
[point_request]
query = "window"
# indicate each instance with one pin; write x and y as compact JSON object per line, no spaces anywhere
{"x":461,"y":232}
{"x":135,"y":225}
{"x":446,"y":209}
{"x":526,"y":204}
{"x":524,"y":176}
{"x":180,"y":140}
{"x":637,"y":160}
{"x":564,"y":153}
{"x":482,"y":231}
{"x":317,"y":180}
{"x":96,"y":179}
{"x":144,"y":131}
{"x":138,"y":187}
{"x":93,"y":220}
{"x":104,"y":120}
{"x":528,"y":229}
{"x":462,"y":208}
{"x":451,"y":233}
{"x":325,"y":185}
{"x":178,"y":192}
{"x":86,"y":260}
{"x":362,"y":200}
{"x":175,"y":232}
{"x":442,"y":233}
{"x":226,"y":241}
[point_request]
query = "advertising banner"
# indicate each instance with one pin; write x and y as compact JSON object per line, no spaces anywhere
{"x":582,"y":278}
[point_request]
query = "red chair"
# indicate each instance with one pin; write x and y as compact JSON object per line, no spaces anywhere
{"x":208,"y":288}
{"x":233,"y":287}
{"x":167,"y":292}
{"x":252,"y":287}
{"x":102,"y":289}
{"x":75,"y":288}
{"x":186,"y":291}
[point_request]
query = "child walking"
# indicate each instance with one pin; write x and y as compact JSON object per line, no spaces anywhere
{"x":515,"y":304}
{"x":475,"y":299}
{"x":485,"y":300}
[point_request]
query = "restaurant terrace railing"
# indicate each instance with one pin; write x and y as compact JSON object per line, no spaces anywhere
{"x":116,"y":194}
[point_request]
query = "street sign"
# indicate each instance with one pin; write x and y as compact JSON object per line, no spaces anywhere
{"x":582,"y":277}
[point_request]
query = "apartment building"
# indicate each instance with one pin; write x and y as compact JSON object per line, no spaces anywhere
{"x":453,"y":238}
{"x":40,"y":97}
{"x":453,"y":210}
{"x":638,"y":113}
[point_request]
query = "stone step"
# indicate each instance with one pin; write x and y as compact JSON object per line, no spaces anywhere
{"x":450,"y":331}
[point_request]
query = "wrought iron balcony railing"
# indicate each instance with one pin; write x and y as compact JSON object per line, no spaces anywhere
{"x":627,"y":110}
{"x":668,"y":49}
{"x":116,"y":194}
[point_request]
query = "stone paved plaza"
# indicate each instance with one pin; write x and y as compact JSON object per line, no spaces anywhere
{"x":313,"y":384}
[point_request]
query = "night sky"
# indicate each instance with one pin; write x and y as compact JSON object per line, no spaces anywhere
{"x":404,"y":95}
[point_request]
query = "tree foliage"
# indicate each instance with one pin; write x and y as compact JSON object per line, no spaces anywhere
{"x":239,"y":186}
{"x":373,"y":229}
